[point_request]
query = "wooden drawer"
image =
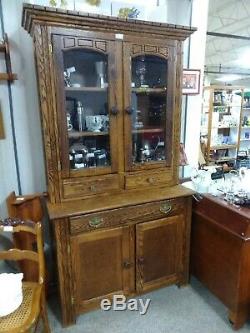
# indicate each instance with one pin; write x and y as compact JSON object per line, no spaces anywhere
{"x":137,"y":180}
{"x":85,"y":186}
{"x":127,"y":215}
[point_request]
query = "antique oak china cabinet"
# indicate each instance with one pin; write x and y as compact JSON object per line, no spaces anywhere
{"x":110,"y":98}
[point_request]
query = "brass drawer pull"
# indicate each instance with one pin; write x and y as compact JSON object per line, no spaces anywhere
{"x":165,"y":208}
{"x":95,"y":222}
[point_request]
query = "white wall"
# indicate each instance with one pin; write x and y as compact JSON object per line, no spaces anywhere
{"x":26,"y":112}
{"x":197,"y":59}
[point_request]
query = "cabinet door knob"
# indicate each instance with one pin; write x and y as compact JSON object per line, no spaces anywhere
{"x":92,"y":188}
{"x":129,"y":110}
{"x":165,"y":208}
{"x":114,"y":110}
{"x":151,"y":180}
{"x":127,"y":264}
{"x":141,"y":260}
{"x":95,"y":222}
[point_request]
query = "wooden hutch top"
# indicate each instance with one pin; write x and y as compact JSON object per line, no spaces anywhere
{"x":34,"y":14}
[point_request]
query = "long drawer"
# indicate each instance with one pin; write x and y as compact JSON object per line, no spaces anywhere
{"x":127,"y":215}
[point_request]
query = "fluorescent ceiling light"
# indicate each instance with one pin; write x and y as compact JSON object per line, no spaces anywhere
{"x":244,"y":58}
{"x":229,"y":78}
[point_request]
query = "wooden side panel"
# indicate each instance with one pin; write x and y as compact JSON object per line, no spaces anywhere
{"x":47,"y":107}
{"x":215,"y":258}
{"x":159,"y":252}
{"x":102,"y":265}
{"x":64,"y":271}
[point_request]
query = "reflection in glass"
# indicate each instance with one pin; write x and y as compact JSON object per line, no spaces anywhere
{"x":86,"y":91}
{"x":149,"y":103}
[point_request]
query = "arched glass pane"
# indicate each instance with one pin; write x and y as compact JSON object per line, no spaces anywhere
{"x":149,"y":103}
{"x":86,"y":91}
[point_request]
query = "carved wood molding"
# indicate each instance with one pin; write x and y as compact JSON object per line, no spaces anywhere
{"x":138,"y":49}
{"x":33,"y":14}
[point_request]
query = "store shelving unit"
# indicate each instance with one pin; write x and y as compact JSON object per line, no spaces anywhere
{"x":221,"y":123}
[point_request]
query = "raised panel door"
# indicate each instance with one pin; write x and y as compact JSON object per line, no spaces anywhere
{"x":159,"y":252}
{"x":102,"y":264}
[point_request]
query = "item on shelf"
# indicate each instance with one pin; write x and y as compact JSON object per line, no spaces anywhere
{"x":141,"y":71}
{"x":67,"y":76}
{"x":156,"y":112}
{"x":100,"y":70}
{"x":96,"y":123}
{"x":69,"y":123}
{"x":159,"y":151}
{"x":138,"y":123}
{"x":80,"y":118}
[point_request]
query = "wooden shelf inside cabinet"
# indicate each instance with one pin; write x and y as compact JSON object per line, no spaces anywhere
{"x":148,"y":130}
{"x":223,"y":147}
{"x":223,"y":159}
{"x":87,"y":89}
{"x":86,"y":133}
{"x":149,"y":90}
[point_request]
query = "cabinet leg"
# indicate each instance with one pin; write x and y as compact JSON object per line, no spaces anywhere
{"x":237,"y":319}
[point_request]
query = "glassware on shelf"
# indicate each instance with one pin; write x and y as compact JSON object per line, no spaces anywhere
{"x":141,"y":72}
{"x":100,"y":70}
{"x":80,"y":116}
{"x":69,"y":123}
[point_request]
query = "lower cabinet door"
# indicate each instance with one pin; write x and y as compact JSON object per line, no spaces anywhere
{"x":102,"y":265}
{"x":159,"y":252}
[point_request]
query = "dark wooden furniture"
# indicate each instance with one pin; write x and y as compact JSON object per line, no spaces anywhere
{"x":220,"y":254}
{"x":110,"y":92}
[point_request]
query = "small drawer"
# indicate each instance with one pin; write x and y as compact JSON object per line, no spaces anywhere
{"x":85,"y":186}
{"x":127,"y":215}
{"x":137,"y":180}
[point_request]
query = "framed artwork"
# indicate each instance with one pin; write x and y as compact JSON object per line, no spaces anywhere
{"x":191,"y":81}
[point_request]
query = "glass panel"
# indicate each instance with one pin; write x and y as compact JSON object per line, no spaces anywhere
{"x":149,"y":101}
{"x":86,"y":90}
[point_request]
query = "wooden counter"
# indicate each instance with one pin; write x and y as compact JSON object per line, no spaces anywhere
{"x":220,"y":253}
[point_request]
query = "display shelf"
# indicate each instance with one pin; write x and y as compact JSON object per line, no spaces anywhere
{"x":148,"y":130}
{"x":87,"y":89}
{"x":244,"y":139}
{"x":224,"y":159}
{"x":218,"y":147}
{"x":149,"y":90}
{"x":225,"y":107}
{"x":86,"y":133}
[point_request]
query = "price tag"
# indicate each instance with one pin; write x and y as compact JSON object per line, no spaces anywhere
{"x":119,"y":36}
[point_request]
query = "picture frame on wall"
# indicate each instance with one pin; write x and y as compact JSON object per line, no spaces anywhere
{"x":191,"y":81}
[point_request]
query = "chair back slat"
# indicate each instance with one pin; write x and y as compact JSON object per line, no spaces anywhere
{"x":16,"y":225}
{"x":18,"y":228}
{"x":16,"y":254}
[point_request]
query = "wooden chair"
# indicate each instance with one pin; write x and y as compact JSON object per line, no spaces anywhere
{"x":33,"y":306}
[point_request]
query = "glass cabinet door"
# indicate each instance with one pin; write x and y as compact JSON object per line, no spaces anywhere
{"x":87,"y":108}
{"x":149,"y":112}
